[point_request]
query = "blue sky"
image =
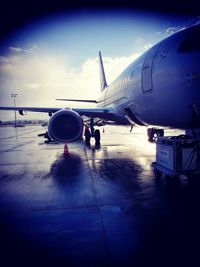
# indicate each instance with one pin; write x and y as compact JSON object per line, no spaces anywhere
{"x":81,"y":34}
{"x":56,"y":56}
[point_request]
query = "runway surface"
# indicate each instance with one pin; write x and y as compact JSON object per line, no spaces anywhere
{"x":95,"y":207}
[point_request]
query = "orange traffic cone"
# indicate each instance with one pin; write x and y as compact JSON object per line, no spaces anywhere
{"x":66,"y":151}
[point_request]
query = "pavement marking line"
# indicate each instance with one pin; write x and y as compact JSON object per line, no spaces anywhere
{"x":99,"y":210}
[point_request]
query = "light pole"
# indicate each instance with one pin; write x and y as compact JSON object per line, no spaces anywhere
{"x":15,"y":95}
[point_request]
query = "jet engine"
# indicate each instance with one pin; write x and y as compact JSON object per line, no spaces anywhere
{"x":65,"y":125}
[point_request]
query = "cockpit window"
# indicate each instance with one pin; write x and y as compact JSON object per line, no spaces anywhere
{"x":191,"y":43}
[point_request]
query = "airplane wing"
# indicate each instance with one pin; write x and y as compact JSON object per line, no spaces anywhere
{"x":101,"y":113}
{"x":32,"y":109}
{"x":77,"y":100}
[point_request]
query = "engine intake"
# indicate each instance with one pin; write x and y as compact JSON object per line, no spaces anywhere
{"x":65,"y":126}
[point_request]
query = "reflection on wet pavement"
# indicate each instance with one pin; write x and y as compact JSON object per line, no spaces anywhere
{"x":94,"y":207}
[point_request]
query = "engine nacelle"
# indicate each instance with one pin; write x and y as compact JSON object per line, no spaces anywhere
{"x":65,"y":126}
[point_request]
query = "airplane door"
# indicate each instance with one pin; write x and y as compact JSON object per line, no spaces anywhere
{"x":147,"y":84}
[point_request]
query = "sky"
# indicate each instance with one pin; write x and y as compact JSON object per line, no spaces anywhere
{"x":56,"y":56}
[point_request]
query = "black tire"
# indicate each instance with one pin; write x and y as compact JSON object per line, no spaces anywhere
{"x":87,"y":137}
{"x":150,"y":134}
{"x":47,"y":137}
{"x":97,"y":135}
{"x":160,"y":133}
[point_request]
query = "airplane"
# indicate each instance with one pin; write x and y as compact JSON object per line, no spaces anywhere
{"x":159,"y":88}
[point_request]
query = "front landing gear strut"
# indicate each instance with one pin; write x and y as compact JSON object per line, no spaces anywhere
{"x":91,"y":132}
{"x":97,"y":137}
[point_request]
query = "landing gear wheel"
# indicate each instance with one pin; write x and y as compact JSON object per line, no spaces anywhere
{"x":153,"y":132}
{"x":97,"y":137}
{"x":87,"y":137}
{"x":150,"y":134}
{"x":47,"y":137}
{"x":160,"y":132}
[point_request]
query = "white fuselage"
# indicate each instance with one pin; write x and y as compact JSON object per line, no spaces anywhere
{"x":161,"y":87}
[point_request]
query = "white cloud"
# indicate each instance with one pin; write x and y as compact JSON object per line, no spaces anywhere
{"x":39,"y":78}
{"x":4,"y":60}
{"x":142,"y":44}
{"x":139,"y":40}
{"x":172,"y":30}
{"x":15,"y":49}
{"x":169,"y":31}
{"x":147,"y":46}
{"x":194,"y":21}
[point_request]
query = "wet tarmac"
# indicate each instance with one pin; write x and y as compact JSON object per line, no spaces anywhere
{"x":94,"y":207}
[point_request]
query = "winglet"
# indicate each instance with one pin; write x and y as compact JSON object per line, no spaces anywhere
{"x":103,"y":82}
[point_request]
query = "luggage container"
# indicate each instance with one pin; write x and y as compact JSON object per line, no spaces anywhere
{"x":177,"y":155}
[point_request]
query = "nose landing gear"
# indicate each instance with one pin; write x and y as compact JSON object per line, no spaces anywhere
{"x":87,"y":136}
{"x":91,"y":132}
{"x":97,"y":137}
